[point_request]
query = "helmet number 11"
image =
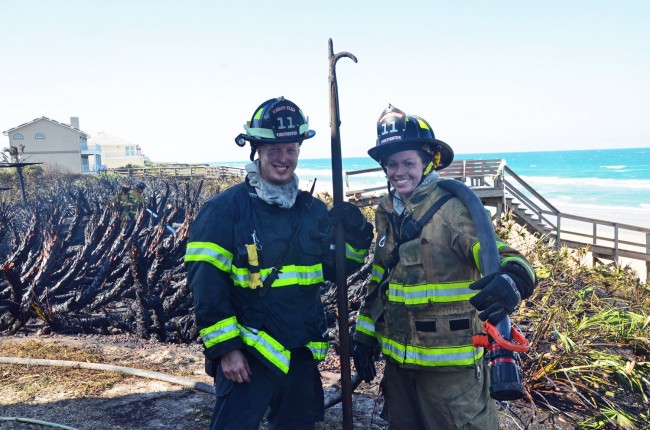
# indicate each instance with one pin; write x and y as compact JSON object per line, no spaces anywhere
{"x":282,"y":126}
{"x":392,"y":128}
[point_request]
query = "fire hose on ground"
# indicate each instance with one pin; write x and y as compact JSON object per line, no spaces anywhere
{"x":330,"y":401}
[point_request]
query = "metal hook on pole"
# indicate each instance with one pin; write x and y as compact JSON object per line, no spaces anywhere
{"x":341,"y":279}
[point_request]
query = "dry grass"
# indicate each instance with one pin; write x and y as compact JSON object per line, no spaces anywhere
{"x":29,"y":381}
{"x":588,"y":328}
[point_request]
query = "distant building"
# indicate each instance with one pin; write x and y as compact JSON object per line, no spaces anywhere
{"x":56,"y":144}
{"x":118,"y":152}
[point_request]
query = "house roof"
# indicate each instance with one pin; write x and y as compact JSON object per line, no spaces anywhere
{"x":106,"y":139}
{"x":47,"y":119}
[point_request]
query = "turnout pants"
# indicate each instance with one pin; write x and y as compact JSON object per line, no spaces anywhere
{"x":438,"y":400}
{"x":294,"y":401}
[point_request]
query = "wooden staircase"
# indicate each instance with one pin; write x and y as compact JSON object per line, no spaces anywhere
{"x":526,"y":218}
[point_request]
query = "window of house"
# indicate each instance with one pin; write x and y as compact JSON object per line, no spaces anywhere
{"x":18,"y":136}
{"x":130,"y":151}
{"x":85,"y":165}
{"x":39,"y":136}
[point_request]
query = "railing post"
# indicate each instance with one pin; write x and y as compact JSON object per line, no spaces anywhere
{"x":647,"y":263}
{"x":558,"y":228}
{"x":594,"y":241}
{"x":616,"y":243}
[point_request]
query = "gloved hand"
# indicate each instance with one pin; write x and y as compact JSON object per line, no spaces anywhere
{"x":500,"y":293}
{"x":364,"y":361}
{"x":351,"y":216}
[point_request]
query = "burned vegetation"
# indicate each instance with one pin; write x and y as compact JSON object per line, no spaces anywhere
{"x":72,"y":260}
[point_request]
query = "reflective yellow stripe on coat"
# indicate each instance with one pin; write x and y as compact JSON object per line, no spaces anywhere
{"x":289,"y":275}
{"x":464,"y":355}
{"x":220,"y":332}
{"x":354,"y":254}
{"x":444,"y":292}
{"x":270,"y":348}
{"x":211,"y":253}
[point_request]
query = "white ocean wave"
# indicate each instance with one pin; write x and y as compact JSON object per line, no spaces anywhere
{"x":313,"y":173}
{"x":639,"y":184}
{"x":613,"y":167}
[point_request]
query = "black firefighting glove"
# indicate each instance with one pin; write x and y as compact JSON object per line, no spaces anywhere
{"x":364,"y":361}
{"x":501,"y":292}
{"x":351,"y":216}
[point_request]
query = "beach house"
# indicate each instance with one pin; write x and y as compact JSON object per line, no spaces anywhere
{"x":118,"y":152}
{"x":56,"y":144}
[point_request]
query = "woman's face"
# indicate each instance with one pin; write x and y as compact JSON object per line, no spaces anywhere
{"x":404,"y":170}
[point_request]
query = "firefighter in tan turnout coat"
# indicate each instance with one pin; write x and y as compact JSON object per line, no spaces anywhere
{"x":422,"y":305}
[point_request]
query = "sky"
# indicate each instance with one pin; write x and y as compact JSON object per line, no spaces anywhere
{"x":181,"y":78}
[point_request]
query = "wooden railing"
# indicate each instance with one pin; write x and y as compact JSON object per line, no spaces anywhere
{"x":189,"y":171}
{"x":475,"y":173}
{"x":605,"y":239}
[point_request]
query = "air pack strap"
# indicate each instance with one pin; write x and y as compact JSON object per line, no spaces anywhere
{"x":412,"y":228}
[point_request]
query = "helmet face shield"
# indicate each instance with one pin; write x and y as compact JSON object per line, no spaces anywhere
{"x":397,"y":131}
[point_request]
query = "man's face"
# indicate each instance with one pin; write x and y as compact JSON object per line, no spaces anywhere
{"x":278,"y":161}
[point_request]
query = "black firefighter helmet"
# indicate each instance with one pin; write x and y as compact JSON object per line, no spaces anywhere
{"x":397,"y":131}
{"x":277,"y":120}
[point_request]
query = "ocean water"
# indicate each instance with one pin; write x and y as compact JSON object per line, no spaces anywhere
{"x":608,"y":184}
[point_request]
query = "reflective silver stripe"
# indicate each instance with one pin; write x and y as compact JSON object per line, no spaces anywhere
{"x":223,"y":330}
{"x":318,"y":349}
{"x":290,"y":275}
{"x":436,"y":357}
{"x":377,"y":273}
{"x":365,"y":325}
{"x":354,"y":254}
{"x":240,"y":276}
{"x":388,"y":348}
{"x":270,"y":348}
{"x":209,"y":252}
{"x":301,"y":275}
{"x":465,"y":355}
{"x":420,"y":294}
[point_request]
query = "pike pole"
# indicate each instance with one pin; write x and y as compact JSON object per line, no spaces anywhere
{"x":341,"y":279}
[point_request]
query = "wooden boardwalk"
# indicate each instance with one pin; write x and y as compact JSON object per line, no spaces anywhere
{"x":181,"y":171}
{"x":501,"y":188}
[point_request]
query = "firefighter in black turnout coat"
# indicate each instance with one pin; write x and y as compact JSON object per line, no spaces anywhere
{"x":257,"y":256}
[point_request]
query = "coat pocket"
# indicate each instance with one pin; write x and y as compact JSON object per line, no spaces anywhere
{"x":451,"y":324}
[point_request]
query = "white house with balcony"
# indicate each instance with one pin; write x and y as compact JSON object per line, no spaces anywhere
{"x":118,"y":152}
{"x":56,"y":144}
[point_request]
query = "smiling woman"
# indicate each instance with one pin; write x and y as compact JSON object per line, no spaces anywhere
{"x":404,"y":170}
